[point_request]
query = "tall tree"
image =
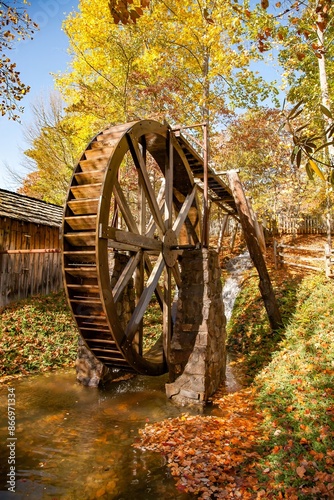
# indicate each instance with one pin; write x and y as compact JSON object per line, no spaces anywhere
{"x":15,"y":25}
{"x":302,"y":32}
{"x":53,"y":151}
{"x":181,"y":61}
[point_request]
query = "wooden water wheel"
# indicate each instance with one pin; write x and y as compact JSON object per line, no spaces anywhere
{"x":132,"y":202}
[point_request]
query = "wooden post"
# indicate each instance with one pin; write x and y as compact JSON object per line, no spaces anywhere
{"x":328,"y":255}
{"x":233,"y":235}
{"x":167,"y":303}
{"x":221,"y":233}
{"x":258,"y":228}
{"x":205,"y":236}
{"x":276,"y":257}
{"x":265,"y":285}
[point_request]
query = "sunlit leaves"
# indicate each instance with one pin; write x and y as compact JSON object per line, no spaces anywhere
{"x":177,"y":62}
{"x":54,"y":147}
{"x":316,"y":169}
{"x":251,"y":143}
{"x":15,"y":25}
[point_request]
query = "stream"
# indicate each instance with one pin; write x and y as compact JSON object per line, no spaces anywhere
{"x":75,"y":443}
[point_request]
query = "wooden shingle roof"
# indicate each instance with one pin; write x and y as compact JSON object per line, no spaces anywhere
{"x":18,"y":206}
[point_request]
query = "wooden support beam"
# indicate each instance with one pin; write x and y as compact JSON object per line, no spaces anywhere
{"x":255,"y":252}
{"x":130,"y":239}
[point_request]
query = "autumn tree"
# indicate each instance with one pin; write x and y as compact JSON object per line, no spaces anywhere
{"x":52,"y":152}
{"x":178,"y":61}
{"x":252,"y":144}
{"x":15,"y":25}
{"x":127,"y":11}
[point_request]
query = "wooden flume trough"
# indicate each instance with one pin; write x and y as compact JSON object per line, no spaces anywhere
{"x":136,"y":191}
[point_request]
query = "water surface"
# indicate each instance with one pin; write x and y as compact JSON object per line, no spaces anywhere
{"x":75,"y":442}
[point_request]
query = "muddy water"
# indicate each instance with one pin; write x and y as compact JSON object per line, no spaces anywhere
{"x":75,"y":443}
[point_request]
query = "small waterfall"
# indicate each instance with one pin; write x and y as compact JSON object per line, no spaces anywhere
{"x":235,"y":268}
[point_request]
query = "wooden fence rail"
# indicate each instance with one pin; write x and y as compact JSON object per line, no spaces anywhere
{"x":306,"y":224}
{"x":315,"y":258}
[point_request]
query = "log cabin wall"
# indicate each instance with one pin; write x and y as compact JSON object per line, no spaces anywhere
{"x":30,"y":254}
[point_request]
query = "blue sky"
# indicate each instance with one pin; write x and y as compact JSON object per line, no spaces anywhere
{"x":35,"y":59}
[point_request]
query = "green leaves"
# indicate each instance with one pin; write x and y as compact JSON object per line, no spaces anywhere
{"x":306,"y":144}
{"x":325,"y":111}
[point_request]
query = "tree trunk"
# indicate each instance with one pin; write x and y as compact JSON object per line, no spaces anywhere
{"x":321,"y":26}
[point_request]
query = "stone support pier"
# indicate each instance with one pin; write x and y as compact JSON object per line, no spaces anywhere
{"x":198,"y":355}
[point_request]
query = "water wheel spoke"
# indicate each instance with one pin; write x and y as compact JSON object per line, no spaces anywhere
{"x":145,"y":182}
{"x":183,"y":213}
{"x":144,"y":300}
{"x":124,"y":208}
{"x":167,"y":309}
{"x":149,"y":269}
{"x":151,"y":226}
{"x":128,"y":239}
{"x":177,"y":275}
{"x":126,"y":275}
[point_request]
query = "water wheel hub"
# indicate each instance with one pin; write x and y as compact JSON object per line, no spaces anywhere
{"x":168,"y":249}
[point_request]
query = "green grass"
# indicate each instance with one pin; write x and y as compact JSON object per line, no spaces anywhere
{"x":293,"y":372}
{"x":296,"y":395}
{"x":249,"y":336}
{"x":37,"y":334}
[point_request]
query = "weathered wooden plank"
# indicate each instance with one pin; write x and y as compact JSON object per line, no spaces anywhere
{"x":128,"y":238}
{"x":99,"y":153}
{"x":81,"y":239}
{"x":81,"y":223}
{"x":84,"y":207}
{"x":91,"y":164}
{"x":90,"y":177}
{"x":83,"y":256}
{"x":87,"y":191}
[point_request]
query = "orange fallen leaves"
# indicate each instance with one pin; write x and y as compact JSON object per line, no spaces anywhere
{"x":301,"y":471}
{"x":213,"y":457}
{"x":217,"y":457}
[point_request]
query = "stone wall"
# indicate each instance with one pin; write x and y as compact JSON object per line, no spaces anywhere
{"x":198,"y":354}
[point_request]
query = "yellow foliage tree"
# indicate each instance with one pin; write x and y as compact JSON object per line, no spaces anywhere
{"x":180,"y":61}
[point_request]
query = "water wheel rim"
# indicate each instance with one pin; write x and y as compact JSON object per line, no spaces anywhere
{"x":155,"y":136}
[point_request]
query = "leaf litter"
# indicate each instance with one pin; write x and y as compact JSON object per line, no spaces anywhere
{"x":213,"y":457}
